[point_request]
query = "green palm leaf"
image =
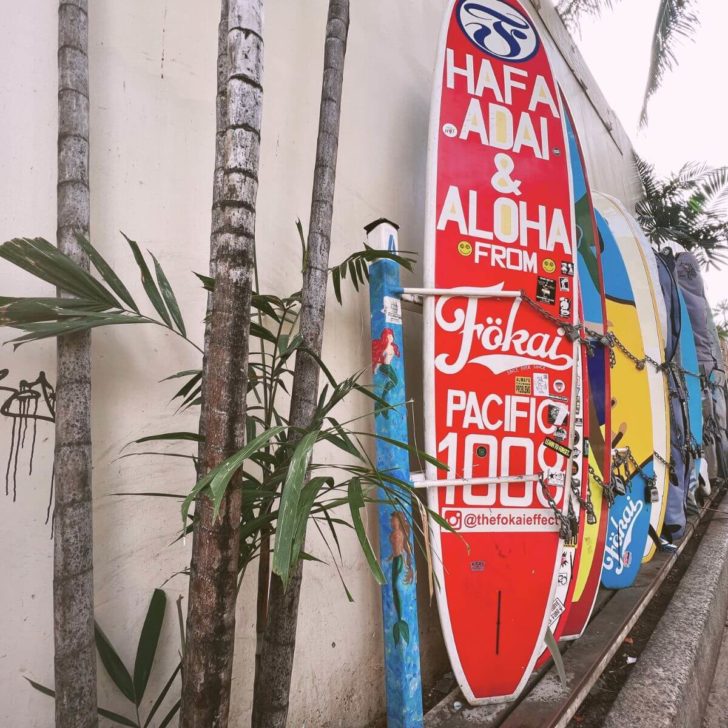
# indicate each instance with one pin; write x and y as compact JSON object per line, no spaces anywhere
{"x":148,"y":641}
{"x":675,"y":21}
{"x":153,"y":294}
{"x":571,"y":10}
{"x":43,"y":260}
{"x":169,"y":298}
{"x":107,"y":273}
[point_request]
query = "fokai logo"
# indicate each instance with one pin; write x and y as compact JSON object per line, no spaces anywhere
{"x":617,"y":554}
{"x":498,"y":29}
{"x":507,"y":347}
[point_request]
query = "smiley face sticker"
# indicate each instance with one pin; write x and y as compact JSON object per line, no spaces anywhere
{"x":548,"y":265}
{"x":465,"y":248}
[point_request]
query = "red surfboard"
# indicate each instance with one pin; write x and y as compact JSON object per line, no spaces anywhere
{"x":500,"y":259}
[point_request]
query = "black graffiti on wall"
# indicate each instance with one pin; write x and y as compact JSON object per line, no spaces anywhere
{"x":25,"y":405}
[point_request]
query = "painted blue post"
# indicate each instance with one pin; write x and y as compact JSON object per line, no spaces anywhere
{"x":396,"y":540}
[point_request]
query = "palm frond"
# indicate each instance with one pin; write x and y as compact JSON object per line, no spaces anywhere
{"x":571,"y":10}
{"x":647,"y":175}
{"x":714,"y":186}
{"x":686,"y":208}
{"x":675,"y":20}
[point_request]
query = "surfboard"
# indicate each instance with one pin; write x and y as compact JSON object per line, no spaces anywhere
{"x":587,"y":570}
{"x":629,"y":514}
{"x":578,"y":497}
{"x":499,"y":368}
{"x":642,"y":269}
{"x":691,"y":379}
{"x":680,"y":459}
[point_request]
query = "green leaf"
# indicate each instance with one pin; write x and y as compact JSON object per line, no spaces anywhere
{"x":41,"y":688}
{"x":219,"y":478}
{"x":120,"y":719}
{"x":169,"y":717}
{"x":264,"y":304}
{"x":404,"y":446}
{"x":18,"y":311}
{"x":107,"y":273}
{"x":223,"y":473}
{"x":346,"y":443}
{"x":292,"y":345}
{"x":305,"y":556}
{"x":440,"y":521}
{"x":343,"y":444}
{"x":46,"y":330}
{"x":352,"y":273}
{"x":188,"y":386}
{"x":356,"y":503}
{"x":302,"y":238}
{"x":288,"y":512}
{"x":261,"y":332}
{"x":169,"y":298}
{"x":113,"y":664}
{"x":356,"y":265}
{"x":183,"y":373}
{"x":208,"y":283}
{"x":193,"y":436}
{"x":336,"y":566}
{"x":336,"y":280}
{"x":148,"y":641}
{"x":44,"y":261}
{"x":675,"y":20}
{"x":308,"y":496}
{"x":150,"y":287}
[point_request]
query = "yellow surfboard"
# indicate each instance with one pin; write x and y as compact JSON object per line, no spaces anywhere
{"x":641,"y":336}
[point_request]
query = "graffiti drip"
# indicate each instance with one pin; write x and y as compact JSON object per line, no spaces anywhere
{"x":25,"y":406}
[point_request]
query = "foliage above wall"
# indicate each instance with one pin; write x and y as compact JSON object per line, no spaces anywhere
{"x":688,"y":207}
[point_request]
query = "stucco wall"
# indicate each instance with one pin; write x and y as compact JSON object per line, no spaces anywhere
{"x":152,"y":135}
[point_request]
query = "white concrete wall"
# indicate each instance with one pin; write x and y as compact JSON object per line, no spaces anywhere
{"x":152,"y":135}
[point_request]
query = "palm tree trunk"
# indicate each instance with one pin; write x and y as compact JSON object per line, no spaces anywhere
{"x":273,"y":678}
{"x":210,"y":632}
{"x":73,"y":587}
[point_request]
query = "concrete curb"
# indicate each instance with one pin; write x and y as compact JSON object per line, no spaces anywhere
{"x":669,"y":686}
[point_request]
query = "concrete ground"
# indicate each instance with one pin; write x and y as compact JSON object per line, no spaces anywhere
{"x":670,"y":684}
{"x":716,"y":712}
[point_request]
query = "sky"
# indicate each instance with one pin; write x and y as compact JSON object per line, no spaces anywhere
{"x":688,"y":116}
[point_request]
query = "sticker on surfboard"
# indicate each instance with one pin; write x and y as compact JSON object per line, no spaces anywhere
{"x":500,"y":219}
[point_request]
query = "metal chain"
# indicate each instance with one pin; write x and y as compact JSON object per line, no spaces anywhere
{"x":573,"y":331}
{"x":586,"y":504}
{"x":607,"y":488}
{"x":651,"y":481}
{"x":669,"y":465}
{"x":576,"y":332}
{"x":565,"y":530}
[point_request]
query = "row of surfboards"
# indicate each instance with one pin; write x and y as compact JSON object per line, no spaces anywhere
{"x":546,"y":383}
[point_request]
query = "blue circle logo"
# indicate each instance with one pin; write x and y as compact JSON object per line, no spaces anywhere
{"x":498,"y":29}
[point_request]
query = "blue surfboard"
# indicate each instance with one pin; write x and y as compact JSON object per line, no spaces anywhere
{"x":691,"y":374}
